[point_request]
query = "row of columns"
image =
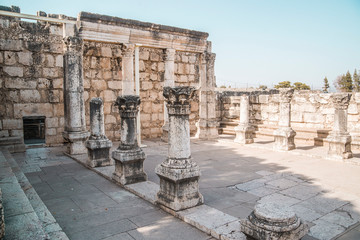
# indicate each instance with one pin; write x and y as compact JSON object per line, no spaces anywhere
{"x":75,"y":128}
{"x":339,"y":139}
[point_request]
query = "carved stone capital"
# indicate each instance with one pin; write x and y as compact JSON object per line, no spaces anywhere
{"x":169,"y":54}
{"x":128,"y":105}
{"x":178,"y":95}
{"x":128,"y":50}
{"x":341,"y":100}
{"x":210,"y":59}
{"x":286,"y":94}
{"x":73,"y":44}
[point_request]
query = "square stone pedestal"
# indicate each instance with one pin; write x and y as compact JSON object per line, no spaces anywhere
{"x":76,"y":142}
{"x":339,"y":146}
{"x":179,"y":187}
{"x":129,"y":166}
{"x":244,"y":134}
{"x":284,"y":139}
{"x":99,"y":153}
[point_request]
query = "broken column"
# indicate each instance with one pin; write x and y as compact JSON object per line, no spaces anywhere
{"x":179,"y":175}
{"x":98,"y":144}
{"x":207,"y":124}
{"x":244,"y":131}
{"x":273,"y":221}
{"x":75,"y":127}
{"x":129,"y":157}
{"x":169,"y":81}
{"x":284,"y":135}
{"x":339,"y":139}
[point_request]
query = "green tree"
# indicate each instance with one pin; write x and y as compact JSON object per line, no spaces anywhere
{"x":301,"y":86}
{"x":262,"y":87}
{"x":285,"y":84}
{"x":344,"y":82}
{"x":356,"y":79}
{"x":326,"y":85}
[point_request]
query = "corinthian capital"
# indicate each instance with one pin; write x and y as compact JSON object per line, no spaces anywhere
{"x":286,"y":94}
{"x":178,"y":95}
{"x":73,"y":44}
{"x":341,"y":100}
{"x":210,"y":59}
{"x":128,"y":105}
{"x":128,"y":50}
{"x":170,"y":54}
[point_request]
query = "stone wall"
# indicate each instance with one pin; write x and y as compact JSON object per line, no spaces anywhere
{"x":311,"y":111}
{"x":31,"y":77}
{"x":2,"y":219}
{"x":31,"y":80}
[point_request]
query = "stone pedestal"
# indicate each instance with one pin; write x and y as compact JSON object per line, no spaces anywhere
{"x":169,"y":81}
{"x":129,"y":157}
{"x":75,"y":127}
{"x":284,"y":135}
{"x":339,"y":139}
{"x":273,"y":222}
{"x":207,"y":124}
{"x":179,"y":175}
{"x":98,"y":144}
{"x":244,"y":131}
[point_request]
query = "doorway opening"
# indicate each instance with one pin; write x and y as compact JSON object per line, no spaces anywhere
{"x":34,"y":130}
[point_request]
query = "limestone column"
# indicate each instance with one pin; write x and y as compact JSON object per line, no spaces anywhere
{"x":128,"y":84}
{"x":339,"y":139}
{"x":273,"y":221}
{"x":244,"y":131}
{"x":169,"y":81}
{"x":179,"y":175}
{"x":207,"y":124}
{"x":75,"y":127}
{"x":129,"y":157}
{"x":98,"y":144}
{"x":284,"y":135}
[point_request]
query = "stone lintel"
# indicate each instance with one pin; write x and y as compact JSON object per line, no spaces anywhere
{"x":178,"y":174}
{"x":129,"y":23}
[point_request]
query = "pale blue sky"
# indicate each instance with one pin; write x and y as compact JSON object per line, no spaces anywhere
{"x":256,"y":42}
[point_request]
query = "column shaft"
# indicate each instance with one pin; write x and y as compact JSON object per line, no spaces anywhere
{"x":244,"y":131}
{"x":128,"y":69}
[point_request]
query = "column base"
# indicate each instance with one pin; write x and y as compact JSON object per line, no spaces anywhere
{"x":284,"y":139}
{"x":206,"y":130}
{"x":165,"y":132}
{"x":129,"y":166}
{"x":339,"y":146}
{"x":244,"y":134}
{"x":99,"y":152}
{"x":179,"y":187}
{"x":271,"y":221}
{"x":76,"y":142}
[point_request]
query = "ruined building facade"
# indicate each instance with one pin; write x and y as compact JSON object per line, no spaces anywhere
{"x":32,"y":77}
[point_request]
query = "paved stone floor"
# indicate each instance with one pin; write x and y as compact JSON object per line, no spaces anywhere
{"x":324,"y":193}
{"x":87,"y":206}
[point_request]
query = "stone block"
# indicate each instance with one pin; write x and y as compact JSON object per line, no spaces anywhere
{"x":144,"y":55}
{"x":14,"y":71}
{"x":106,"y":52}
{"x":59,"y":61}
{"x":12,"y":124}
{"x":4,"y":133}
{"x":105,"y":63}
{"x":313,"y":117}
{"x":11,"y":45}
{"x":9,"y":58}
{"x":353,"y":109}
{"x":50,"y":72}
{"x":107,"y":75}
{"x":264,"y":99}
{"x":161,"y":67}
{"x":109,"y":96}
{"x":17,"y":133}
{"x":99,"y":84}
{"x":110,"y":119}
{"x":58,"y":83}
{"x":52,"y":122}
{"x":154,"y":57}
{"x":43,"y":83}
{"x":153,"y":77}
{"x":30,"y":96}
{"x":146,"y":85}
{"x":115,"y":85}
{"x":192,"y":59}
{"x":33,"y":109}
{"x":51,"y":131}
{"x":296,"y":116}
{"x":49,"y":60}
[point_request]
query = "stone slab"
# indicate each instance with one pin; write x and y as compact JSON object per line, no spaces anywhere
{"x":324,"y":230}
{"x":146,"y":190}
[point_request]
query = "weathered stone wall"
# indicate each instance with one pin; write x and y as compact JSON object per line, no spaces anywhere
{"x":31,"y":77}
{"x":31,"y":80}
{"x":2,"y":218}
{"x":310,"y":110}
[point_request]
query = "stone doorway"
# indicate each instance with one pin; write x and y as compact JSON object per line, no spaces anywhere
{"x":34,"y":130}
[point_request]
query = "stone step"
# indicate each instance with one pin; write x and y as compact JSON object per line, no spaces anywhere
{"x":27,"y":217}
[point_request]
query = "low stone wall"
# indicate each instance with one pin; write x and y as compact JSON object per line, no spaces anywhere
{"x":312,"y":112}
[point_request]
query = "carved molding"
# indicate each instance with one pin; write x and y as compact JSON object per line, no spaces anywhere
{"x":73,"y":44}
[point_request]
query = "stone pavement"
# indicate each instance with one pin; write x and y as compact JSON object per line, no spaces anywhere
{"x":234,"y":178}
{"x":87,"y":206}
